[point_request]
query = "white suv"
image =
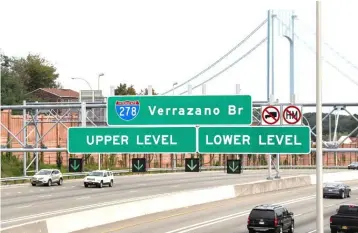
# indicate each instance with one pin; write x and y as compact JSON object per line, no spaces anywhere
{"x":47,"y":177}
{"x":99,"y":178}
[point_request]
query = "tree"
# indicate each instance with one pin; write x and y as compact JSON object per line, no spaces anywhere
{"x":12,"y":88}
{"x":23,"y":75}
{"x":123,"y":89}
{"x":36,"y":72}
{"x":145,"y":92}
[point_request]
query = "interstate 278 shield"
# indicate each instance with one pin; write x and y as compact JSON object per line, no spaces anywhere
{"x":127,"y":110}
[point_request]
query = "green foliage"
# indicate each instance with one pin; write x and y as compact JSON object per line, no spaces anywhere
{"x":23,"y":75}
{"x":124,"y":89}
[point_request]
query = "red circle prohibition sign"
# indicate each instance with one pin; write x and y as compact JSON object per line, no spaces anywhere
{"x":266,"y":111}
{"x":288,"y":113}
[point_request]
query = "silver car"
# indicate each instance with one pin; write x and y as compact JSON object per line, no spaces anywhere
{"x":47,"y":177}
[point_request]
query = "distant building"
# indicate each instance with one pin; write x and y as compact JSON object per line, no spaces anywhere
{"x":53,"y":95}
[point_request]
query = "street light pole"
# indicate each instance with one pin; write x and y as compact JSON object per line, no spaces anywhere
{"x":174,"y":84}
{"x":85,"y":81}
{"x":100,"y":75}
{"x":319,"y":169}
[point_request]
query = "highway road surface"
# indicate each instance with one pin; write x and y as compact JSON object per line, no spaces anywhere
{"x":24,"y":203}
{"x":230,"y":216}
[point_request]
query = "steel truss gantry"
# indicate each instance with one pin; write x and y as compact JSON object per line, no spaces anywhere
{"x":31,"y":112}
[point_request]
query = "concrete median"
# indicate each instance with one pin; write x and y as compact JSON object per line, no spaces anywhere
{"x":170,"y":201}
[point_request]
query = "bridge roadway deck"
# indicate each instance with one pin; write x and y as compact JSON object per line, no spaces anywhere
{"x":24,"y":203}
{"x":230,"y":216}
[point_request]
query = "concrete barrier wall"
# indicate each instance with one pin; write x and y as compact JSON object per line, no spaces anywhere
{"x":100,"y":216}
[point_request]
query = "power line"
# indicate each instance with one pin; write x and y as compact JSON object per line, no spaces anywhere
{"x":231,"y":65}
{"x":220,"y":59}
{"x":329,"y":63}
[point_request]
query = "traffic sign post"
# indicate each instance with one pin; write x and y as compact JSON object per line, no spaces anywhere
{"x":292,"y":115}
{"x":192,"y":165}
{"x":131,"y":140}
{"x":270,"y":115}
{"x":179,"y":110}
{"x":255,"y":140}
{"x":139,"y":165}
{"x":233,"y":166}
{"x":75,"y":165}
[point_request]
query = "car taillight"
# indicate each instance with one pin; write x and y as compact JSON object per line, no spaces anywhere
{"x":248,"y":220}
{"x":330,"y":220}
{"x":276,"y":222}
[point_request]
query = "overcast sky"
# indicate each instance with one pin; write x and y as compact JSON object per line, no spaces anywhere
{"x":159,"y":42}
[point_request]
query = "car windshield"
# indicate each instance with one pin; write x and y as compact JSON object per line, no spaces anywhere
{"x":264,"y":214}
{"x":44,"y":172}
{"x":332,"y":185}
{"x":354,"y":163}
{"x":96,"y":174}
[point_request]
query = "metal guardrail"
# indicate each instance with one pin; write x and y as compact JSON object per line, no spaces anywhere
{"x":178,"y":169}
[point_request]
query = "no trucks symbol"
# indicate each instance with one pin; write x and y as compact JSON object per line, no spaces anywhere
{"x":270,"y":115}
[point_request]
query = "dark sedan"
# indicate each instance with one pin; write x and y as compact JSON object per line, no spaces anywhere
{"x":353,"y":166}
{"x":336,"y":189}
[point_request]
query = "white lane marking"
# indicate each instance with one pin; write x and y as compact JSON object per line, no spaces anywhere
{"x":174,"y":186}
{"x":232,"y":216}
{"x":142,"y":184}
{"x":18,"y":192}
{"x":23,"y":206}
{"x":81,"y":198}
{"x":133,"y":191}
{"x":73,"y":186}
{"x":312,"y":231}
{"x":330,"y":205}
{"x":46,"y":195}
{"x":297,"y":215}
{"x":41,"y":190}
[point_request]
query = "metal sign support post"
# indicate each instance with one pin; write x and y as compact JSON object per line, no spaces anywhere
{"x":319,"y":170}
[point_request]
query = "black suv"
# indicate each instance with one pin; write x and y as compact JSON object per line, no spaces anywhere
{"x":270,"y":218}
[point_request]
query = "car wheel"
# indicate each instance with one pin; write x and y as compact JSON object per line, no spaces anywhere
{"x":292,"y":228}
{"x":49,"y":183}
{"x":100,"y":184}
{"x":111,"y":183}
{"x":280,"y":230}
{"x":60,"y":182}
{"x":86,"y":185}
{"x":251,"y":231}
{"x":349,"y":194}
{"x":33,"y":184}
{"x":343,"y":195}
{"x":334,"y":231}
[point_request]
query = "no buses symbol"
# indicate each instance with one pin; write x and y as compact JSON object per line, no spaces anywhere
{"x":127,"y":110}
{"x":292,"y":115}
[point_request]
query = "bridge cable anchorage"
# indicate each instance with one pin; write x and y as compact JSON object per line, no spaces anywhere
{"x":231,"y":65}
{"x":325,"y":60}
{"x":220,"y":59}
{"x":308,"y":29}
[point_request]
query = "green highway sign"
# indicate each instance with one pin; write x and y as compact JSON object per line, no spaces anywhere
{"x":83,"y":140}
{"x":139,"y":165}
{"x":233,"y":166}
{"x":75,"y":165}
{"x":179,"y":110}
{"x":255,"y":140}
{"x":192,"y":165}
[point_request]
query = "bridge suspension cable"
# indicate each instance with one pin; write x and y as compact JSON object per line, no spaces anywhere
{"x":325,"y":60}
{"x":308,"y":29}
{"x":219,"y":60}
{"x":328,"y":62}
{"x":231,"y":65}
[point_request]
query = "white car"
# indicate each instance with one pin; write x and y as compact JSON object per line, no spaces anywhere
{"x":47,"y":177}
{"x":99,"y":178}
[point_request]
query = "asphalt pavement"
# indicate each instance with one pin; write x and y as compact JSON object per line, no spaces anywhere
{"x":24,"y":203}
{"x":230,"y":216}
